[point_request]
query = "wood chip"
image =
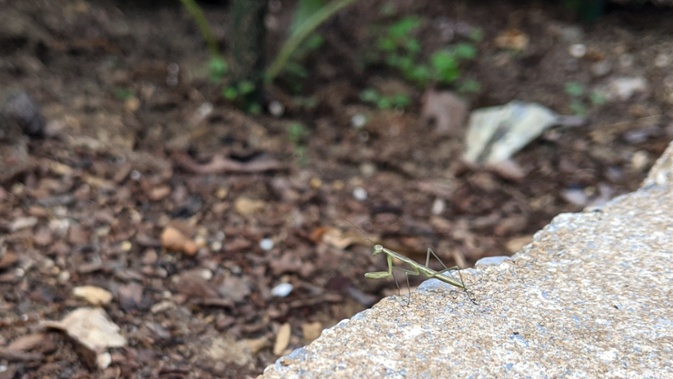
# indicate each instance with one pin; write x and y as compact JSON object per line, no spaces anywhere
{"x":311,"y":331}
{"x":173,"y":239}
{"x":282,"y":339}
{"x":93,"y":295}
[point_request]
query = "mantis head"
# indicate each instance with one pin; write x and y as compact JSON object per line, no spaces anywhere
{"x":378,"y":249}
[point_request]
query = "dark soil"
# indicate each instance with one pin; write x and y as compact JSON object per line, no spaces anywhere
{"x":138,"y":140}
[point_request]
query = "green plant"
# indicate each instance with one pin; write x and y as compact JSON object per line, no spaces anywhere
{"x":302,"y":31}
{"x":296,"y":134}
{"x":372,"y":96}
{"x":295,"y":73}
{"x":579,"y":98}
{"x":123,"y":93}
{"x":238,"y":92}
{"x":399,"y":48}
{"x":309,"y":15}
{"x":218,"y":69}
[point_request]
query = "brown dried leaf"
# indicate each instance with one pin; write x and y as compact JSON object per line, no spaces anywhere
{"x":27,"y":343}
{"x":194,"y":284}
{"x":512,"y":39}
{"x":8,"y":260}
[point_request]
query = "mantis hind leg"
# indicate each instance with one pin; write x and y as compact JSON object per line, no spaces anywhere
{"x":446,"y":269}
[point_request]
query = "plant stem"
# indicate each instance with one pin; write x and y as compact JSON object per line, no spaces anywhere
{"x":206,"y":31}
{"x":303,"y":31}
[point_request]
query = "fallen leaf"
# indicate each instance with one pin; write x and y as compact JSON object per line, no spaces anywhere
{"x":93,"y":295}
{"x":8,"y":260}
{"x":282,"y":339}
{"x":27,"y":343}
{"x":91,"y":328}
{"x":195,"y":285}
{"x":335,"y":237}
{"x":22,"y":223}
{"x":235,"y":288}
{"x":173,"y":239}
{"x":512,"y":39}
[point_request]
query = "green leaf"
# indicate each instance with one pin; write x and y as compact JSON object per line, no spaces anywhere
{"x":476,"y":35}
{"x":387,"y":45}
{"x":465,"y":51}
{"x":384,"y":103}
{"x":230,"y":93}
{"x":412,"y":46}
{"x":314,"y":42}
{"x":400,"y":100}
{"x":421,"y":75}
{"x":574,"y":89}
{"x":296,"y":131}
{"x":445,"y":66}
{"x":245,"y":87}
{"x":469,"y":86}
{"x":369,"y":95}
{"x":304,"y":10}
{"x":218,"y":69}
{"x":405,"y":26}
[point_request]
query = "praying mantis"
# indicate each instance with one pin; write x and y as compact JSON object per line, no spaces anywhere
{"x":416,"y":268}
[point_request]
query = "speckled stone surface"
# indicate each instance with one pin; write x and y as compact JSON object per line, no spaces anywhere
{"x":591,"y":296}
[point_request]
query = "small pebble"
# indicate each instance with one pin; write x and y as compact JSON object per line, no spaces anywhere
{"x":626,"y":60}
{"x":360,"y":193}
{"x":662,"y":60}
{"x":359,"y":121}
{"x":639,"y":160}
{"x":438,"y":206}
{"x":601,"y":68}
{"x":363,"y":136}
{"x":266,"y":244}
{"x":282,"y":290}
{"x":276,"y":108}
{"x":577,"y":50}
{"x":367,"y":169}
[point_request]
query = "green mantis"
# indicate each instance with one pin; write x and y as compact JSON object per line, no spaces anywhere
{"x":416,"y":268}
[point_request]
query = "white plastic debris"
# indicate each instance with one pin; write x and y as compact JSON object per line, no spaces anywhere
{"x":282,"y":290}
{"x":494,"y":134}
